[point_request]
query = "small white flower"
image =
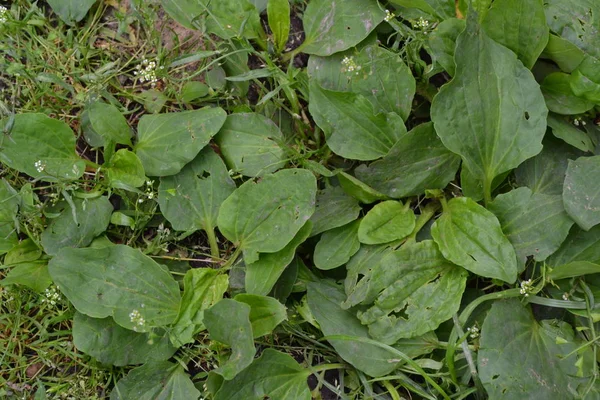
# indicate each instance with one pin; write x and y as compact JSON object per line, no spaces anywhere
{"x":349,"y":65}
{"x":526,"y":287}
{"x":136,"y":318}
{"x":421,"y":23}
{"x":39,"y":165}
{"x":389,"y":16}
{"x":565,"y":296}
{"x":3,"y":14}
{"x":146,"y":71}
{"x":473,"y":332}
{"x":52,"y":296}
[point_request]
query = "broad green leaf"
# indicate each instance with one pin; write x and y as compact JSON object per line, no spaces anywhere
{"x":26,"y":251}
{"x":108,"y":122}
{"x":161,"y":380}
{"x":576,"y":21}
{"x":202,"y":287}
{"x":573,"y":269}
{"x":336,"y":25}
{"x":334,"y":208}
{"x":582,"y":201}
{"x":228,"y":322}
{"x":409,"y":292}
{"x":580,"y":246}
{"x":564,"y":53}
{"x":9,"y":206}
{"x":519,"y":357}
{"x":153,"y":100}
{"x":224,"y":18}
{"x":117,"y":281}
{"x":470,"y":236}
{"x":519,"y":25}
{"x":359,"y":190}
{"x":536,"y":224}
{"x":337,"y":246}
{"x":287,"y":280}
{"x":585,"y":80}
{"x":166,"y":142}
{"x":359,"y":266}
{"x":492,"y":113}
{"x":265,"y":215}
{"x":191,"y":199}
{"x":442,"y":9}
{"x":33,"y":274}
{"x":387,"y":221}
{"x":233,"y":18}
{"x":351,"y":128}
{"x":442,"y":43}
{"x":418,"y":161}
{"x":560,"y":97}
{"x":563,"y":129}
{"x":249,"y":143}
{"x":278,"y":12}
{"x":125,"y":170}
{"x":265,"y":313}
{"x":383,"y":77}
{"x":324,"y":300}
{"x":273,"y":375}
{"x":93,"y":217}
{"x":384,"y":80}
{"x":193,"y":90}
{"x":71,"y":11}
{"x":262,"y":274}
{"x":545,"y":173}
{"x":41,"y":147}
{"x":112,"y":344}
{"x":185,"y":12}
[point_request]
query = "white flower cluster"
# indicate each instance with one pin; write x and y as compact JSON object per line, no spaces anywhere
{"x":136,"y":317}
{"x":526,"y":287}
{"x":473,"y":332}
{"x":421,"y":23}
{"x":349,"y":65}
{"x":52,"y":296}
{"x":389,"y":16}
{"x":146,"y":71}
{"x":149,"y":191}
{"x":39,"y":165}
{"x":579,"y":121}
{"x":3,"y":14}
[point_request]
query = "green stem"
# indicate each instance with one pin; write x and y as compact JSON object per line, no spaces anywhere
{"x":212,"y":240}
{"x":232,"y":259}
{"x":326,"y":367}
{"x":487,"y":191}
{"x":391,"y":390}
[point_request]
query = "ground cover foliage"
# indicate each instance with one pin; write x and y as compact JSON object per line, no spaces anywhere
{"x":282,"y":199}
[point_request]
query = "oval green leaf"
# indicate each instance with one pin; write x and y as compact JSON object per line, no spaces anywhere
{"x":41,"y":147}
{"x":492,"y":113}
{"x":265,"y":215}
{"x":166,"y":142}
{"x":336,"y":25}
{"x":387,"y":221}
{"x":191,"y":199}
{"x":112,"y":344}
{"x":582,"y":201}
{"x":249,"y":143}
{"x":337,"y":246}
{"x":470,"y":236}
{"x":352,"y":129}
{"x":117,"y":281}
